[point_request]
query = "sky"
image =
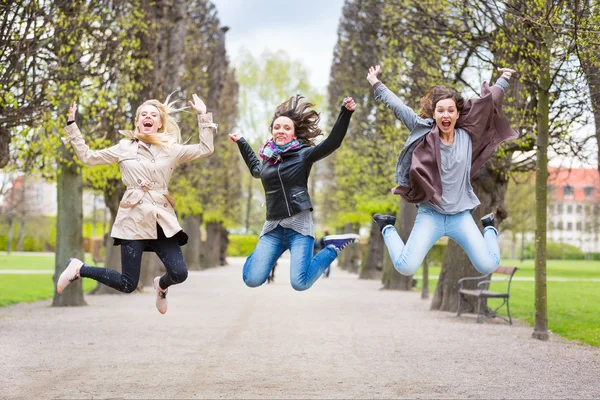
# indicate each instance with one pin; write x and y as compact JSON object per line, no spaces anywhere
{"x":305,"y":29}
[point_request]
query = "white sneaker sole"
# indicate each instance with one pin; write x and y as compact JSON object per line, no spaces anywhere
{"x":343,"y":236}
{"x":69,"y":275}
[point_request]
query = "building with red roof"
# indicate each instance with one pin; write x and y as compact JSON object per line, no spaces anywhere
{"x":574,"y":207}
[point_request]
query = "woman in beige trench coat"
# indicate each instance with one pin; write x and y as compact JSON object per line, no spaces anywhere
{"x":146,"y":219}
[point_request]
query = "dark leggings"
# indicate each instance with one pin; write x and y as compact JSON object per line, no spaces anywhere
{"x":167,"y":249}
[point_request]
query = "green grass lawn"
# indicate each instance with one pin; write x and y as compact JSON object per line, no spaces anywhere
{"x":26,"y":288}
{"x":16,"y":288}
{"x":573,"y":307}
{"x":33,"y":262}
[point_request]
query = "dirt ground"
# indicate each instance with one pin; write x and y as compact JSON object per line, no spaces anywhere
{"x":344,"y":338}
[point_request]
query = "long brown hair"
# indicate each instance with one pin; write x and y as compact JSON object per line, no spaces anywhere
{"x":305,"y":119}
{"x":435,"y":94}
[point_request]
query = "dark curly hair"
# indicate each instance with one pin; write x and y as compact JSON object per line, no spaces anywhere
{"x":435,"y":94}
{"x":305,"y":119}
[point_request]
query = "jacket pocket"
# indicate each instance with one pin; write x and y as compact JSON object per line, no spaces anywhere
{"x":301,"y":201}
{"x":131,"y":198}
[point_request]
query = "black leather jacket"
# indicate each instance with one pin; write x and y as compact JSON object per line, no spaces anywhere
{"x":286,"y":183}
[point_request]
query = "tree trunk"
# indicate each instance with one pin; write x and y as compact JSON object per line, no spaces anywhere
{"x":22,"y":216}
{"x":540,"y":326}
{"x":112,"y":254}
{"x":173,"y":62}
{"x":224,"y":245}
{"x":5,"y":137}
{"x":592,"y":73}
{"x":405,"y":220}
{"x":69,"y":228}
{"x":211,"y":247}
{"x":21,"y":240}
{"x":191,"y":251}
{"x":425,"y":289}
{"x":151,"y":268}
{"x":9,"y":234}
{"x":349,"y":257}
{"x":372,"y":264}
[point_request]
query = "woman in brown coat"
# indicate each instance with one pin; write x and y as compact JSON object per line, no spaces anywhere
{"x":450,"y":140}
{"x":146,"y":219}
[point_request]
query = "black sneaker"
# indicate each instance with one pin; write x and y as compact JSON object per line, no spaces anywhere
{"x":488,"y":220}
{"x":383,"y":220}
{"x":341,"y":241}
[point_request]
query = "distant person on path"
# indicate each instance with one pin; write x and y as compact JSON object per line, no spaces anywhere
{"x":450,"y":140}
{"x":287,"y":159}
{"x":146,"y":219}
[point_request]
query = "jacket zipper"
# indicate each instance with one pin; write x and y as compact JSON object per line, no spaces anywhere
{"x":283,"y":189}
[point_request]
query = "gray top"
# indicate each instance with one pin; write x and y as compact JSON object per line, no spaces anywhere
{"x":301,"y":223}
{"x":457,"y":192}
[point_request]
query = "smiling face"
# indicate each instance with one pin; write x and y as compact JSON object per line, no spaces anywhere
{"x":283,"y":131}
{"x":148,"y":120}
{"x":445,"y":115}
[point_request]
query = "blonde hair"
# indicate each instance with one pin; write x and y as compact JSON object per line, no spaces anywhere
{"x":168,"y":132}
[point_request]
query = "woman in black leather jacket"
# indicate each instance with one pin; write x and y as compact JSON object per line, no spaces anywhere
{"x":287,"y":158}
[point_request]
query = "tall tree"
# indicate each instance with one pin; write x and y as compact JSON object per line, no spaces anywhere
{"x":361,"y":168}
{"x":264,"y":83}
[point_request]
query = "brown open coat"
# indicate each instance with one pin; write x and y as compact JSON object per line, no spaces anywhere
{"x":146,"y":171}
{"x":487,"y":126}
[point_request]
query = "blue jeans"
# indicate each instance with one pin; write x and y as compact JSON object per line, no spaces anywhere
{"x":430,"y":225}
{"x":304,"y":269}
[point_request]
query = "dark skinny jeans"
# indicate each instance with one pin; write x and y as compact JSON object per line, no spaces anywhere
{"x":167,"y":249}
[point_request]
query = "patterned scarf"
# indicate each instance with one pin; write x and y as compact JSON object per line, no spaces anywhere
{"x":271,"y":152}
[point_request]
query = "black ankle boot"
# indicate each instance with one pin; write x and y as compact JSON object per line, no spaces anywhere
{"x":488,"y":220}
{"x":383,"y":220}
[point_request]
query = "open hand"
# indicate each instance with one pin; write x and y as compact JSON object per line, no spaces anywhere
{"x":349,"y":103}
{"x":198,"y":105}
{"x":235,"y":136}
{"x":507,"y":72}
{"x":372,"y":75}
{"x":72,"y":112}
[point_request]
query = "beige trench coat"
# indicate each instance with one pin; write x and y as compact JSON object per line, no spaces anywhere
{"x":146,"y":171}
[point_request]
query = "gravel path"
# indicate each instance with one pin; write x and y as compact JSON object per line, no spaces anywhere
{"x":344,"y":338}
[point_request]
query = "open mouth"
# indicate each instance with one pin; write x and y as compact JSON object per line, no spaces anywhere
{"x":446,"y":124}
{"x":148,"y":123}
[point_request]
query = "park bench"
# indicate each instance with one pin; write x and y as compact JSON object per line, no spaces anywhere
{"x":482,"y":293}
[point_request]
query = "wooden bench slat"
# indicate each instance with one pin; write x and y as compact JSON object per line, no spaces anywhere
{"x":484,"y":293}
{"x":505,"y":270}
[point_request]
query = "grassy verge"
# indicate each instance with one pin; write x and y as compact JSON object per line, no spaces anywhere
{"x":17,"y":288}
{"x":26,"y":288}
{"x":32,"y":262}
{"x":573,"y":307}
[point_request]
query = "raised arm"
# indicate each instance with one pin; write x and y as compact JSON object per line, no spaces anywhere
{"x":206,"y":146}
{"x":82,"y":150}
{"x":403,"y":112}
{"x":247,"y":154}
{"x":502,"y":84}
{"x":335,"y":138}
